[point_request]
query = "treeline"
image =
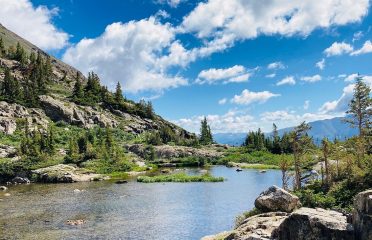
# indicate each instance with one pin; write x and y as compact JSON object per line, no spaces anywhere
{"x":258,"y":141}
{"x":36,"y":74}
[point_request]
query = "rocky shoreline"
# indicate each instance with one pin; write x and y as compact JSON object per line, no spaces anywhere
{"x":283,"y":218}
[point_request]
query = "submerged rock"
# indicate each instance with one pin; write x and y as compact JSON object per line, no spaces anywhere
{"x":277,"y":199}
{"x":315,"y":224}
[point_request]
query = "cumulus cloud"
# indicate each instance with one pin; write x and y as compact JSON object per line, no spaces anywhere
{"x":350,"y":77}
{"x":236,"y":73}
{"x":287,"y":81}
{"x":33,"y":23}
{"x":312,"y":79}
{"x":366,"y":48}
{"x":247,"y":97}
{"x":338,"y":49}
{"x":132,"y":54}
{"x":320,"y":64}
{"x":275,"y":65}
{"x":241,"y":19}
{"x":358,"y":35}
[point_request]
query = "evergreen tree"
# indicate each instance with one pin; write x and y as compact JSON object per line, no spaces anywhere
{"x":48,"y":69}
{"x":32,"y":58}
{"x":78,"y":91}
{"x":206,"y":137}
{"x":2,"y":47}
{"x":360,"y":107}
{"x":119,"y":94}
{"x":276,"y":141}
{"x":326,"y":149}
{"x":300,"y":144}
{"x":10,"y":88}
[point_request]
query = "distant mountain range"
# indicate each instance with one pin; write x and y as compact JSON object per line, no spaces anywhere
{"x":330,"y":128}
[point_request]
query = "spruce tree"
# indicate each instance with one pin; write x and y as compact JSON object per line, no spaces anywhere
{"x":119,"y":94}
{"x":360,"y":107}
{"x":10,"y":87}
{"x":2,"y":48}
{"x":205,"y":133}
{"x":78,"y":91}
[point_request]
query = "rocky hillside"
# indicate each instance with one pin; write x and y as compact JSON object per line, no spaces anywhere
{"x":55,"y":103}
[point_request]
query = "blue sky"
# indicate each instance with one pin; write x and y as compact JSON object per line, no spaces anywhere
{"x":243,"y":64}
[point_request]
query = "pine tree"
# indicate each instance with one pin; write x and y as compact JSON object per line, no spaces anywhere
{"x":119,"y":94}
{"x":48,"y":69}
{"x":300,"y":144}
{"x":326,"y":149}
{"x":32,"y":58}
{"x":2,"y":48}
{"x":360,"y":107}
{"x":205,"y":133}
{"x":78,"y":91}
{"x":276,"y":141}
{"x":360,"y":110}
{"x":10,"y":88}
{"x":20,"y":55}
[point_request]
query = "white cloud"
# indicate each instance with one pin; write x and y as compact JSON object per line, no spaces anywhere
{"x":236,"y":73}
{"x":272,"y":75}
{"x":132,"y":54}
{"x":287,"y":81}
{"x":241,"y":19}
{"x":338,"y":49}
{"x":284,"y":118}
{"x":312,"y":79}
{"x":171,"y":3}
{"x":247,"y":97}
{"x":358,"y":35}
{"x":367,"y":48}
{"x":232,"y":121}
{"x":320,"y":64}
{"x":306,"y":104}
{"x":222,"y":101}
{"x":341,"y":104}
{"x":32,"y":23}
{"x":275,"y":65}
{"x":351,"y":77}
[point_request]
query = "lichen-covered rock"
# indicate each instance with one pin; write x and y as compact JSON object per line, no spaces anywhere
{"x":315,"y":224}
{"x":277,"y":199}
{"x":7,"y":151}
{"x":362,"y":215}
{"x":20,"y":180}
{"x":63,"y":173}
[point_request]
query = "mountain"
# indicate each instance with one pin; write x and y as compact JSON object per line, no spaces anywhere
{"x":44,"y":90}
{"x":330,"y":128}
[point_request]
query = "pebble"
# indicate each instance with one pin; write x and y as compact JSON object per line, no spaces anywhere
{"x":7,"y":195}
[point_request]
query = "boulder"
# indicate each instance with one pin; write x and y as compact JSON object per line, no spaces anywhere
{"x":7,"y":125}
{"x":7,"y":151}
{"x":260,"y":227}
{"x":362,"y":215}
{"x":20,"y":180}
{"x":315,"y":224}
{"x":63,"y":173}
{"x":3,"y":188}
{"x":277,"y":199}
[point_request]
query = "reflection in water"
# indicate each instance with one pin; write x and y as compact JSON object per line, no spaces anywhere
{"x":133,"y":210}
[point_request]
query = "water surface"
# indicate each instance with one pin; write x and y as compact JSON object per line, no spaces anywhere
{"x":132,"y":211}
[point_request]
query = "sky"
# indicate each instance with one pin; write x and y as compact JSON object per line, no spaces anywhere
{"x":244,"y":64}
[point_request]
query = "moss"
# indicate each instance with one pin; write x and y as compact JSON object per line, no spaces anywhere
{"x":240,"y":219}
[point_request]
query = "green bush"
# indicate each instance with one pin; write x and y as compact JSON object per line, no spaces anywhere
{"x":179,"y":177}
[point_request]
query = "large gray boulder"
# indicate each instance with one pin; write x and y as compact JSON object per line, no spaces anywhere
{"x":362,"y":215}
{"x":63,"y":173}
{"x":277,"y":199}
{"x":315,"y":224}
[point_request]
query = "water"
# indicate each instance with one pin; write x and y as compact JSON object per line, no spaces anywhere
{"x":131,"y":211}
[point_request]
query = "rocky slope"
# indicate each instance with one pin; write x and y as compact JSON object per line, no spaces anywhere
{"x":302,"y":223}
{"x":57,"y":106}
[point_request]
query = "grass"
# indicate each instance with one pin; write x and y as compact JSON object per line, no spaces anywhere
{"x":259,"y":166}
{"x":179,"y":177}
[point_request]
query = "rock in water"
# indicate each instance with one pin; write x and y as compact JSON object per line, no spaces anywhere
{"x":362,"y":215}
{"x":3,"y":188}
{"x":315,"y":224}
{"x":277,"y":199}
{"x":121,"y":181}
{"x":20,"y":180}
